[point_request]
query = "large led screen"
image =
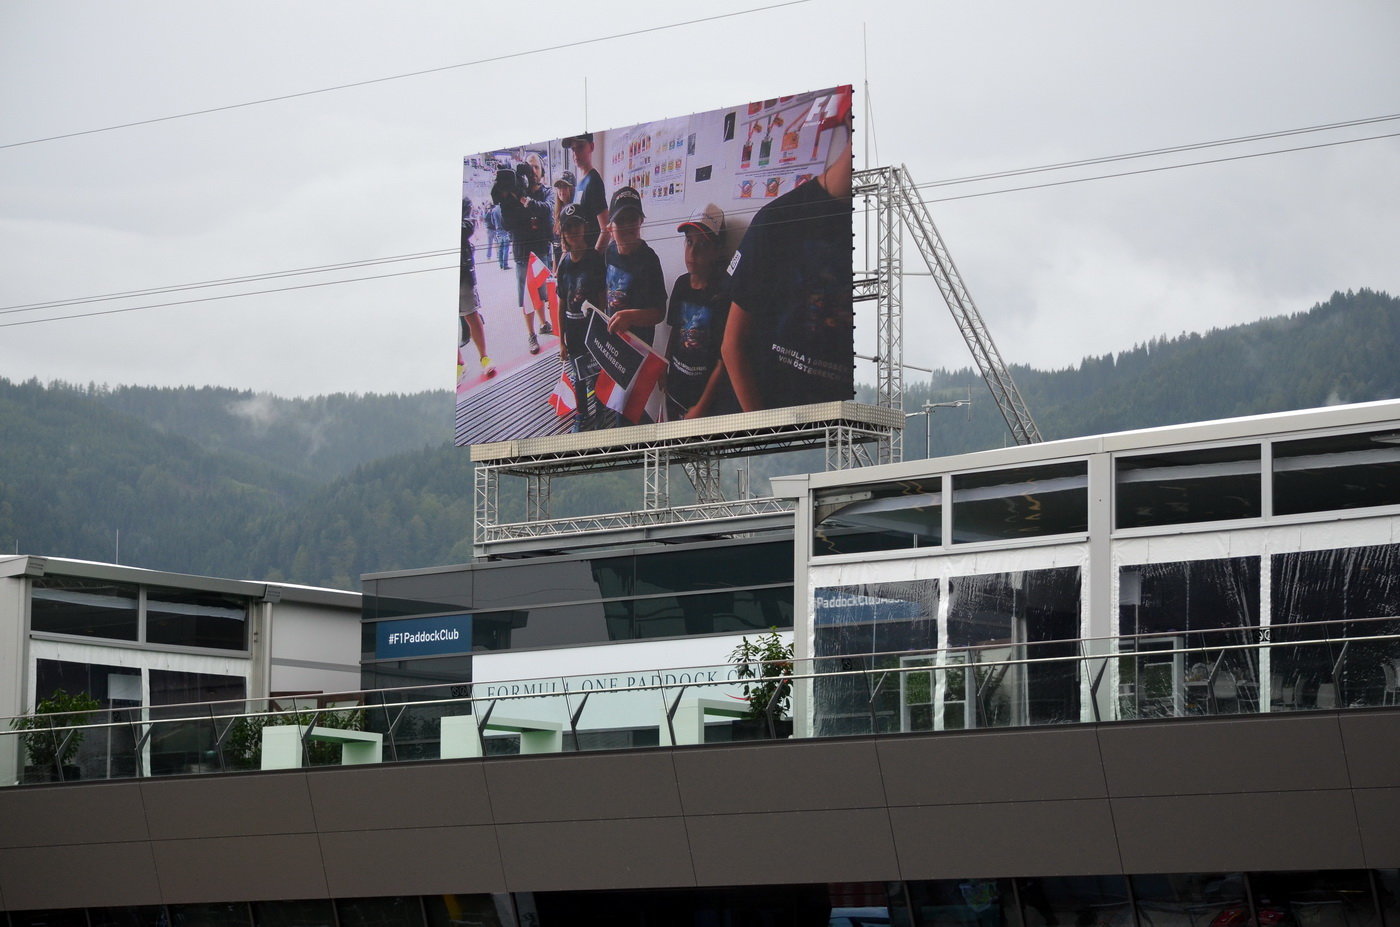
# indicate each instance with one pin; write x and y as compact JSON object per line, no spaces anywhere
{"x":678,"y":269}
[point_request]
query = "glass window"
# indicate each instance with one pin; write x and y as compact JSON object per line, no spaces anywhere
{"x":68,"y":917}
{"x":866,"y":627}
{"x":687,"y":570}
{"x":315,"y":913}
{"x":1191,"y":900}
{"x":185,"y":743}
{"x":894,"y":516}
{"x":380,"y":912}
{"x":743,"y":611}
{"x":964,"y":903}
{"x":196,"y":619}
{"x":1004,"y":617}
{"x":1177,"y":619}
{"x":1358,"y":590}
{"x":1188,"y":486}
{"x":1314,"y":899}
{"x":147,"y":916}
{"x":1019,"y":503}
{"x":1075,"y":900}
{"x":228,"y":914}
{"x":103,"y":753}
{"x":538,"y":582}
{"x":424,"y":593}
{"x":1388,"y":895}
{"x":428,"y":671}
{"x":91,"y":607}
{"x":476,"y":910}
{"x":1337,"y":472}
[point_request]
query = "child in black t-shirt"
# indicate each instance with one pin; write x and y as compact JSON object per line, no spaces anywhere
{"x":696,"y":384}
{"x":636,"y":289}
{"x":581,"y":278}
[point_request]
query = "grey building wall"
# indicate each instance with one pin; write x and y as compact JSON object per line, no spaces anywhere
{"x":1305,"y":791}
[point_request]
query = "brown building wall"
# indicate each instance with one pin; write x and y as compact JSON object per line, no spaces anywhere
{"x":1314,"y":791}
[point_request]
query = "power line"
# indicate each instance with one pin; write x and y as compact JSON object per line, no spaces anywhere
{"x":1173,"y":149}
{"x":210,"y":299}
{"x":1165,"y":167}
{"x":393,"y":77}
{"x":425,"y":254}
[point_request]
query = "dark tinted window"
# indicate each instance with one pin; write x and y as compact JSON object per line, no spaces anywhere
{"x":895,"y":516}
{"x":91,"y":607}
{"x":1024,"y":502}
{"x":539,"y":582}
{"x":316,"y":913}
{"x":714,"y":568}
{"x":1337,"y":472}
{"x":425,"y":671}
{"x":194,"y":619}
{"x":1188,"y":486}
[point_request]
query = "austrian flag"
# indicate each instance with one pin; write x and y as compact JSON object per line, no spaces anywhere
{"x":562,"y":399}
{"x":633,"y":400}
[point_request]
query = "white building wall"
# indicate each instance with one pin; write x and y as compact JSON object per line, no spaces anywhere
{"x":313,"y":648}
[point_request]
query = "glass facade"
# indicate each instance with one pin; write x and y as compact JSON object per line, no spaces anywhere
{"x":732,"y":588}
{"x":1179,"y":487}
{"x":1337,"y":472}
{"x":1021,"y":503}
{"x":1004,"y":653}
{"x":119,"y":611}
{"x":87,"y":607}
{"x":1324,"y":898}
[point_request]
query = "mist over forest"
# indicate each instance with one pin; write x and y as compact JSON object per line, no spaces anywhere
{"x":231,"y":483}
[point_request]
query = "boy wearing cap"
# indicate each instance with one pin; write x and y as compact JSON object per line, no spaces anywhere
{"x":696,"y":384}
{"x":582,"y":277}
{"x":636,"y":288}
{"x":590,"y":193}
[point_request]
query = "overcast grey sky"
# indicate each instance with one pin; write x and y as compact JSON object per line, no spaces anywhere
{"x":956,"y":89}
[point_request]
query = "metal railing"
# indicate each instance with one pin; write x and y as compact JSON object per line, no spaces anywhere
{"x":1179,"y":674}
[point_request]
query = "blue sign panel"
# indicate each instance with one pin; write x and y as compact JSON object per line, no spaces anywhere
{"x":423,"y":637}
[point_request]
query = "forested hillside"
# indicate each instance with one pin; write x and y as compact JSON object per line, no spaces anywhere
{"x":211,"y":480}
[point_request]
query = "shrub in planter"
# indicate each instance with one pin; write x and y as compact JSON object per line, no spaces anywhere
{"x":50,"y":745}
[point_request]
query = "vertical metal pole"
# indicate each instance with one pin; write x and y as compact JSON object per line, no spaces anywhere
{"x":890,"y":312}
{"x":487,"y":508}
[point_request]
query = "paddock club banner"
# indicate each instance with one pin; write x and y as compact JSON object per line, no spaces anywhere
{"x":423,"y":637}
{"x":704,"y":269}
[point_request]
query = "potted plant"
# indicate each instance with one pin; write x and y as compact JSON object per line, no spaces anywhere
{"x":51,"y":748}
{"x":765,"y":665}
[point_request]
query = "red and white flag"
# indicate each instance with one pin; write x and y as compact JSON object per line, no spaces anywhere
{"x":642,"y":395}
{"x":562,"y":400}
{"x":539,"y":274}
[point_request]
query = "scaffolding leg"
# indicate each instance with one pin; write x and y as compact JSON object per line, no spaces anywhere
{"x":487,"y":507}
{"x":537,"y":492}
{"x":890,"y":313}
{"x":656,"y":469}
{"x":703,"y":473}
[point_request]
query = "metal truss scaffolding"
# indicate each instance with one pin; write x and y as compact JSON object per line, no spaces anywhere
{"x":844,"y":429}
{"x":896,"y":190}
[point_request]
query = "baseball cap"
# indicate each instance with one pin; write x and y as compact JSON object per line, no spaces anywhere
{"x":626,"y":198}
{"x":710,"y":219}
{"x":575,"y":139}
{"x":566,"y":177}
{"x":572,"y":213}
